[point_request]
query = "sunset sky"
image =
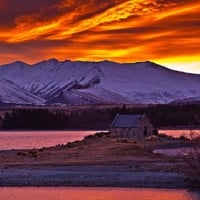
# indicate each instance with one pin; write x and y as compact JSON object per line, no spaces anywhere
{"x":164,"y":31}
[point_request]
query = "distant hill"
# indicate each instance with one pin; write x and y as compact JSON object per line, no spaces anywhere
{"x":54,"y":82}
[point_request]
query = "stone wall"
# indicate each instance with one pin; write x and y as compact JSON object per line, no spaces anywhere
{"x":144,"y":128}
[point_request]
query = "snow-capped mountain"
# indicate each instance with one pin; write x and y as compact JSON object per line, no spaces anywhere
{"x":68,"y":82}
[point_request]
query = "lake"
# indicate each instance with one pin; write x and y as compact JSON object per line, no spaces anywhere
{"x":177,"y":133}
{"x":78,"y":193}
{"x":38,"y":139}
{"x":182,"y":151}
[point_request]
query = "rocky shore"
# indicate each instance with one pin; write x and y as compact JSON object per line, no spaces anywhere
{"x":98,"y":175}
{"x":95,"y":161}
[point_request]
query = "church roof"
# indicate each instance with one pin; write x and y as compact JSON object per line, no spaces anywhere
{"x":126,"y":121}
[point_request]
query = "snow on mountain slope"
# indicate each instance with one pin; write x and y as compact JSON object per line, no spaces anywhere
{"x":148,"y":83}
{"x":94,"y":82}
{"x":10,"y":93}
{"x":192,"y":100}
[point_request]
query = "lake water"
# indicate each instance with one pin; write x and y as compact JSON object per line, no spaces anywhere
{"x":38,"y":139}
{"x":71,"y":193}
{"x":177,"y":133}
{"x":175,"y":151}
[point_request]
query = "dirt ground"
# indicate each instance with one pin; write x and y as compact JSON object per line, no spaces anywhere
{"x":98,"y":160}
{"x":91,"y":150}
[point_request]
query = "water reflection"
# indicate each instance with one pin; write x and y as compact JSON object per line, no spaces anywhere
{"x":183,"y":151}
{"x":38,"y":139}
{"x":67,"y":193}
{"x":177,"y":133}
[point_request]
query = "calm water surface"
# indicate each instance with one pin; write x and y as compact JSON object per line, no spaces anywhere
{"x":178,"y":133}
{"x":67,"y":193}
{"x":38,"y":139}
{"x":175,"y":151}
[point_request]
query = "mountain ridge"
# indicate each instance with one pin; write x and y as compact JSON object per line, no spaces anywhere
{"x":78,"y":82}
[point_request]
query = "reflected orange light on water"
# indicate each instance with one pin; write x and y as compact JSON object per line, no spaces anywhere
{"x":95,"y":193}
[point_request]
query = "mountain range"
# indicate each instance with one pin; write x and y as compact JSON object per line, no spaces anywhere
{"x":75,"y":82}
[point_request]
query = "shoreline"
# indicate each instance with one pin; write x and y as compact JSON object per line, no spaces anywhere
{"x":89,"y":176}
{"x":96,"y":161}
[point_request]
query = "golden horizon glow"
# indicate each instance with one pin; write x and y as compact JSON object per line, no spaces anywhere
{"x":165,"y":32}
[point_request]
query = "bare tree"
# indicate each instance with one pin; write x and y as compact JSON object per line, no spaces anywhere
{"x":192,"y":161}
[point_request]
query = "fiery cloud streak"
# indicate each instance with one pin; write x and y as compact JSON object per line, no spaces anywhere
{"x":163,"y":31}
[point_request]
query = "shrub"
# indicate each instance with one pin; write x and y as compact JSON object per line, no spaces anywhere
{"x":192,"y":161}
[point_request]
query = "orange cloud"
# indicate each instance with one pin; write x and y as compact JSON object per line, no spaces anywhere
{"x":118,"y":30}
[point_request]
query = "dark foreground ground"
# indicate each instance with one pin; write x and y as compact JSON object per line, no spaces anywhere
{"x":95,"y":161}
